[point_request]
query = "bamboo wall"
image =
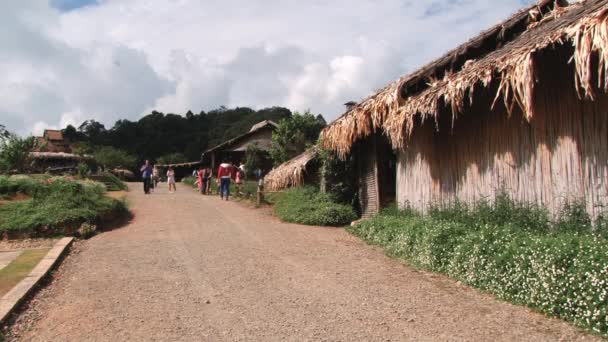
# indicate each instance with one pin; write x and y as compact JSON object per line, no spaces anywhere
{"x":561,"y":154}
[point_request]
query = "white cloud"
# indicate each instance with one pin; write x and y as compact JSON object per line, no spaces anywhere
{"x":120,"y":59}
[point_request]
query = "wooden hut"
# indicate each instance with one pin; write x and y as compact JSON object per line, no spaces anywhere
{"x":52,"y":141}
{"x":56,"y":162}
{"x":520,"y":108}
{"x":260,"y":135}
{"x":294,"y":172}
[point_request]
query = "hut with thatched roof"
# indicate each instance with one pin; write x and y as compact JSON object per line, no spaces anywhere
{"x":521,"y":108}
{"x":294,"y":172}
{"x":259,"y":135}
{"x":56,"y":162}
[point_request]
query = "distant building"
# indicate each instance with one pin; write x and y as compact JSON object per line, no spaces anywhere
{"x":52,"y":141}
{"x":260,"y":135}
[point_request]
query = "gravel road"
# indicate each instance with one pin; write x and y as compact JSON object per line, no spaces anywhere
{"x":193,"y":268}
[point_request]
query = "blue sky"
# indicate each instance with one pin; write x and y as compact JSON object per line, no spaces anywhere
{"x":66,"y":61}
{"x":68,"y":5}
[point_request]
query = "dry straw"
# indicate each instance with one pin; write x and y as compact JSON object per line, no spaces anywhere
{"x":291,"y":173}
{"x":583,"y":25}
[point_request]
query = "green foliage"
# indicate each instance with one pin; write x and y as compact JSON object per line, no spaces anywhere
{"x":111,"y":182}
{"x":189,"y":180}
{"x":113,"y":158}
{"x":83,"y":170}
{"x":308,"y":206}
{"x":510,"y":250}
{"x":4,"y":134}
{"x":158,"y":134}
{"x":339,"y":178}
{"x":19,"y":184}
{"x":254,"y":158}
{"x":14,"y":153}
{"x":57,"y":204}
{"x":172,"y":158}
{"x":294,"y":135}
{"x":87,"y":230}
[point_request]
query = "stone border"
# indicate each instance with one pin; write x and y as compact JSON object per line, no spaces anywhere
{"x":12,"y":299}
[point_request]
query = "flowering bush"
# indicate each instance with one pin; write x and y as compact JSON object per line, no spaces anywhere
{"x":510,"y":250}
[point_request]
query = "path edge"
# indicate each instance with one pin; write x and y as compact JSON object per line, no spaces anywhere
{"x":11,"y":301}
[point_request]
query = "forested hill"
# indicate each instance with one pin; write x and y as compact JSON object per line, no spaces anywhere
{"x":158,"y":134}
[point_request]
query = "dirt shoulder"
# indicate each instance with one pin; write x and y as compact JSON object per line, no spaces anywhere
{"x":191,"y":267}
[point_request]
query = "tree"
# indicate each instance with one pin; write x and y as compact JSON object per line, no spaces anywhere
{"x":4,"y":134}
{"x":172,"y":158}
{"x":294,"y":135}
{"x":71,"y":134}
{"x":14,"y":153}
{"x":113,"y":158}
{"x":254,"y":158}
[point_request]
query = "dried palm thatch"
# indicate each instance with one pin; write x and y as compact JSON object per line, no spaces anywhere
{"x":290,"y":173}
{"x":583,"y":25}
{"x":57,"y":155}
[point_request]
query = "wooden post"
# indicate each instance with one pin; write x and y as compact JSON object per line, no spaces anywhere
{"x":260,"y":195}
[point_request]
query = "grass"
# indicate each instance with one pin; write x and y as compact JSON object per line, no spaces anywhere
{"x":56,"y":205}
{"x":19,"y":268}
{"x":112,"y":182}
{"x":308,"y":206}
{"x":512,"y":250}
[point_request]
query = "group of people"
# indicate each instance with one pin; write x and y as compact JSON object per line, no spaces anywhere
{"x":226,"y":173}
{"x":151,"y":177}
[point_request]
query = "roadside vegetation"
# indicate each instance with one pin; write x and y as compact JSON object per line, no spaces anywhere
{"x":308,"y":206}
{"x":511,"y":250}
{"x":55,"y":206}
{"x":19,"y":268}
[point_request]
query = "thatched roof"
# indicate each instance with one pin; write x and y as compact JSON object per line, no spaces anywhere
{"x":504,"y":54}
{"x":254,"y":129}
{"x":188,"y":164}
{"x":290,"y":173}
{"x":263,"y":124}
{"x":57,"y":155}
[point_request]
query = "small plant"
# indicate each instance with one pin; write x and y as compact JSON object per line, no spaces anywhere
{"x":83,"y":170}
{"x":308,"y":206}
{"x":189,"y":181}
{"x":87,"y":230}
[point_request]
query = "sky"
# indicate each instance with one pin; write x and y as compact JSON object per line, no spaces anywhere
{"x":66,"y":61}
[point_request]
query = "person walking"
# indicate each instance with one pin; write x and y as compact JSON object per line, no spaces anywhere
{"x":238,"y":180}
{"x":199,"y":180}
{"x":155,"y":176}
{"x":206,"y":180}
{"x":146,"y":174}
{"x":171,"y":180}
{"x":224,"y":174}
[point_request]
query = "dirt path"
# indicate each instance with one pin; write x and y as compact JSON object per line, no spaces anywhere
{"x":192,"y":268}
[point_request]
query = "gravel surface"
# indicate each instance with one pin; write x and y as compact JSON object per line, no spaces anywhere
{"x":193,"y":268}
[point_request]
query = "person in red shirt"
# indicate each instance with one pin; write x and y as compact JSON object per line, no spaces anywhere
{"x":225,"y":174}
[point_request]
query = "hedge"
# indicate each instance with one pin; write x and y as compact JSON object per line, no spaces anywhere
{"x":308,"y":206}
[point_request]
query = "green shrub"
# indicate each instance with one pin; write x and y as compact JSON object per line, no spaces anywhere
{"x":189,"y":180}
{"x":112,"y":182}
{"x":308,"y":206}
{"x":60,"y":203}
{"x":508,"y":249}
{"x":22,"y":184}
